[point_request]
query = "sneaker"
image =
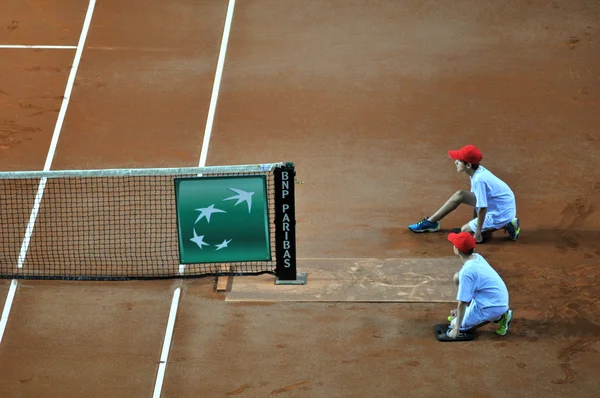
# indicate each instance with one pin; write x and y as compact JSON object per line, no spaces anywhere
{"x":514,"y":229}
{"x":504,"y":323}
{"x":425,"y":226}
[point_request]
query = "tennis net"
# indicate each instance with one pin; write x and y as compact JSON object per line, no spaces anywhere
{"x":120,"y":224}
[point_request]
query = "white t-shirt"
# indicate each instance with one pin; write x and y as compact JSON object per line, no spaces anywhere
{"x":478,"y":281}
{"x":493,"y":193}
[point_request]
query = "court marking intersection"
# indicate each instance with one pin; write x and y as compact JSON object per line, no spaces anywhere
{"x":52,"y":149}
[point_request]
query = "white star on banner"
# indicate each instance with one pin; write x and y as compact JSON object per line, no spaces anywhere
{"x":242,"y":196}
{"x":207,"y":211}
{"x":223,"y":245}
{"x":199,"y":240}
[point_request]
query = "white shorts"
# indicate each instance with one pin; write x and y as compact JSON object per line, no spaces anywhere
{"x":490,"y":222}
{"x":475,"y":316}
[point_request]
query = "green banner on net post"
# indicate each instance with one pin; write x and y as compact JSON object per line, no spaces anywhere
{"x":222,"y":219}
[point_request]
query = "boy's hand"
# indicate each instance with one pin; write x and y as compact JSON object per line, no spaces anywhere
{"x":454,"y":332}
{"x":478,"y":237}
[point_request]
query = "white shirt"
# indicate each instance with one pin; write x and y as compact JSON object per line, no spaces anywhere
{"x":493,"y":193}
{"x":478,"y":281}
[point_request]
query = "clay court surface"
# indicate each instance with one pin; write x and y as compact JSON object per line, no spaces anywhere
{"x":365,"y":98}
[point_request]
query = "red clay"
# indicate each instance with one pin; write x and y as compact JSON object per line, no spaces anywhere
{"x":366,"y":100}
{"x":56,"y":22}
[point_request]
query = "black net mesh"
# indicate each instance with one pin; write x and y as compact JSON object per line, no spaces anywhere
{"x":103,"y":228}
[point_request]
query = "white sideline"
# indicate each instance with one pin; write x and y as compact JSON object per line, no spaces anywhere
{"x":49,"y":158}
{"x":9,"y":299}
{"x":162,"y":366}
{"x":203,"y":154}
{"x":57,"y":129}
{"x":217,"y":84}
{"x":215,"y":94}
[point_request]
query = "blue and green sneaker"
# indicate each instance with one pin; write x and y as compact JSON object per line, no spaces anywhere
{"x":425,"y":226}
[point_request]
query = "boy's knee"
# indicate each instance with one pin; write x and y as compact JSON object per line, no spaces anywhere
{"x":465,"y":197}
{"x":461,"y":196}
{"x":458,"y":195}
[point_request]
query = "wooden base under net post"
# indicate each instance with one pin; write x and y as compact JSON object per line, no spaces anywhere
{"x":224,"y":281}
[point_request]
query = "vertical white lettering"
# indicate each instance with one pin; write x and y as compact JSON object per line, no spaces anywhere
{"x":285,"y":221}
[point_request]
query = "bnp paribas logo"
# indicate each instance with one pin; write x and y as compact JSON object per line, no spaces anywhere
{"x":222,"y":219}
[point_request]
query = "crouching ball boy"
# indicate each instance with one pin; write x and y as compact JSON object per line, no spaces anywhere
{"x":492,"y":198}
{"x":482,"y":295}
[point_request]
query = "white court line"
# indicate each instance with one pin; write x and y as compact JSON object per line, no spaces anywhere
{"x":50,"y":157}
{"x":9,"y":299}
{"x":217,"y":84}
{"x":57,"y":130}
{"x":207,"y":132}
{"x":162,"y":367}
{"x":215,"y":94}
{"x":8,"y":46}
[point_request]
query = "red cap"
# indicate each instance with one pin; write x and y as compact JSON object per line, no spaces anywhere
{"x":468,"y":154}
{"x":463,"y":241}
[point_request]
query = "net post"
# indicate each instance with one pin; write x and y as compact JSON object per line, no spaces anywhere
{"x":285,"y":227}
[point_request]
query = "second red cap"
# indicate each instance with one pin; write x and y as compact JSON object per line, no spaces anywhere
{"x":463,"y":241}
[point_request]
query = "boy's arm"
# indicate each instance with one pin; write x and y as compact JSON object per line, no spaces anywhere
{"x":461,"y":308}
{"x":481,"y":212}
{"x":479,"y":189}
